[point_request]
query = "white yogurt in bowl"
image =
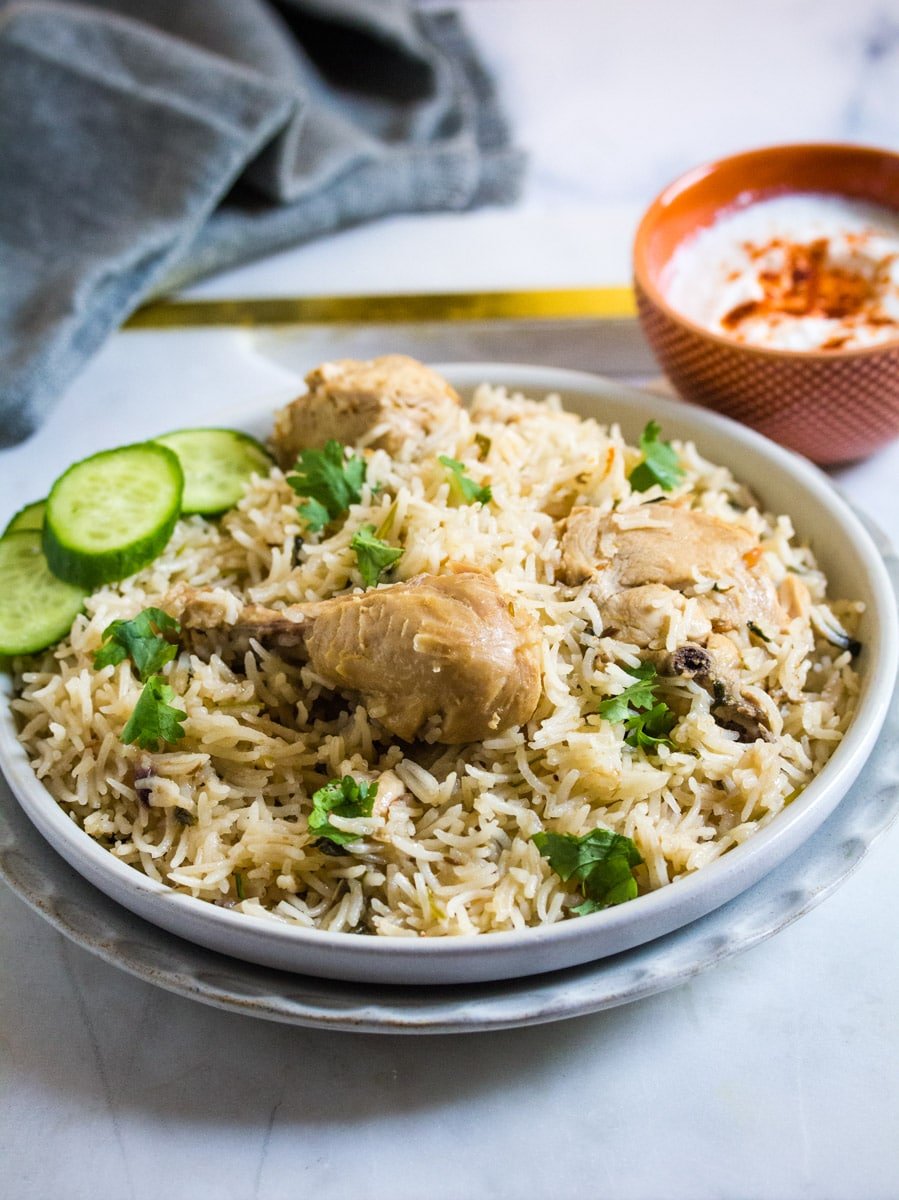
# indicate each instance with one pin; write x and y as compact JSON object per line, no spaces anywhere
{"x":793,"y":272}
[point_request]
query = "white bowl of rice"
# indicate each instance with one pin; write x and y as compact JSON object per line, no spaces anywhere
{"x":445,"y":882}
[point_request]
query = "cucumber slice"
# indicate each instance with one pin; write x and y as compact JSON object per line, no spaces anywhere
{"x":29,"y":517}
{"x":111,"y":514}
{"x":36,"y":608}
{"x":217,"y":465}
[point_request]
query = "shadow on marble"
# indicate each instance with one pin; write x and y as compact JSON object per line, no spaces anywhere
{"x":81,"y":1029}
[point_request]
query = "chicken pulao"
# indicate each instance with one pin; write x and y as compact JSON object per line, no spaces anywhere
{"x":448,"y":669}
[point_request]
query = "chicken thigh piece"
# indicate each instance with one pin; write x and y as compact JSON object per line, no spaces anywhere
{"x":670,"y":549}
{"x":644,"y":565}
{"x":641,"y":615}
{"x":446,"y":658}
{"x":386,"y":403}
{"x":657,"y":543}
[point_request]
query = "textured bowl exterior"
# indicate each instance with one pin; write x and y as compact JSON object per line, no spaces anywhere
{"x":832,"y":409}
{"x":832,"y":406}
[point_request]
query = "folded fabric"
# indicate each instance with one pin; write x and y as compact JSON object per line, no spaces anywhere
{"x":144,"y":143}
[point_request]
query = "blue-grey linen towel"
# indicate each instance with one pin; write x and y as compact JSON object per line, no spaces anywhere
{"x":144,"y":143}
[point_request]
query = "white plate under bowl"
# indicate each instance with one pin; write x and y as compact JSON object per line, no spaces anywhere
{"x":784,"y":484}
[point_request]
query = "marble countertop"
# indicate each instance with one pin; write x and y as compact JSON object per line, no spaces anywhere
{"x":772,"y":1076}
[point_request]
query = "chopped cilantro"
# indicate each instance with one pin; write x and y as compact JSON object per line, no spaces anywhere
{"x":465,"y":490}
{"x":373,"y":555}
{"x":346,"y":797}
{"x":659,"y":463}
{"x":154,"y":719}
{"x":483,"y":443}
{"x":753,"y":628}
{"x":639,"y":695}
{"x":600,"y":862}
{"x":149,"y":640}
{"x":314,"y":514}
{"x":647,"y":720}
{"x":330,"y":479}
{"x":650,"y":729}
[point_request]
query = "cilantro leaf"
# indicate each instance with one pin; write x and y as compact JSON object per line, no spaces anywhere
{"x":346,"y":797}
{"x":314,"y":514}
{"x":647,"y":720}
{"x":639,"y":695}
{"x":373,"y":555}
{"x":330,"y":480}
{"x":600,"y":862}
{"x":465,"y":490}
{"x":154,"y":719}
{"x":611,"y":882}
{"x":659,"y":463}
{"x":149,"y":640}
{"x":647,"y":730}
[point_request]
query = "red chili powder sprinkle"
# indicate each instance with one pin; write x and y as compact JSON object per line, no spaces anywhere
{"x":807,"y":284}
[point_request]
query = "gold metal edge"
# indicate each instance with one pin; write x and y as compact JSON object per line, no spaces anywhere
{"x":559,"y":304}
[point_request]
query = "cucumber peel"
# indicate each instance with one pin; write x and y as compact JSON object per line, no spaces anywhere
{"x":217,"y":465}
{"x":36,"y":608}
{"x":29,"y":517}
{"x":111,"y":514}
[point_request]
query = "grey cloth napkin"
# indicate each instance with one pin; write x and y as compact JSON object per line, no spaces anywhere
{"x":144,"y":143}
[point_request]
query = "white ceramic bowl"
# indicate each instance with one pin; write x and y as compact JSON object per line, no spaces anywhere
{"x":785,"y":484}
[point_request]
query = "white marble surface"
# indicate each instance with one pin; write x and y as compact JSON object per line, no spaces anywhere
{"x":612,"y":101}
{"x":773,"y":1076}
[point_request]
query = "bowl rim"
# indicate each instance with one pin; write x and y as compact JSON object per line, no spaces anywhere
{"x":790,"y":828}
{"x":686,"y":180}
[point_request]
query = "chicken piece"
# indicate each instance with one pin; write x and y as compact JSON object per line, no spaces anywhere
{"x":657,"y":543}
{"x":667,"y":544}
{"x":641,"y":615}
{"x":715,"y":667}
{"x":725,"y":655}
{"x":581,"y":558}
{"x":752,"y":599}
{"x":795,"y":598}
{"x":284,"y":632}
{"x":203,"y":608}
{"x":384,"y":403}
{"x":213,"y":620}
{"x":443,"y":657}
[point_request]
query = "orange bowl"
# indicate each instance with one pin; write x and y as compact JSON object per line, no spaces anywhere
{"x":831,"y":405}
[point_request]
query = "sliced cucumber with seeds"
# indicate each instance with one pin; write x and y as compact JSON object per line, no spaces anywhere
{"x":29,"y":517}
{"x":217,"y":465}
{"x":36,"y":608}
{"x":111,"y":514}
